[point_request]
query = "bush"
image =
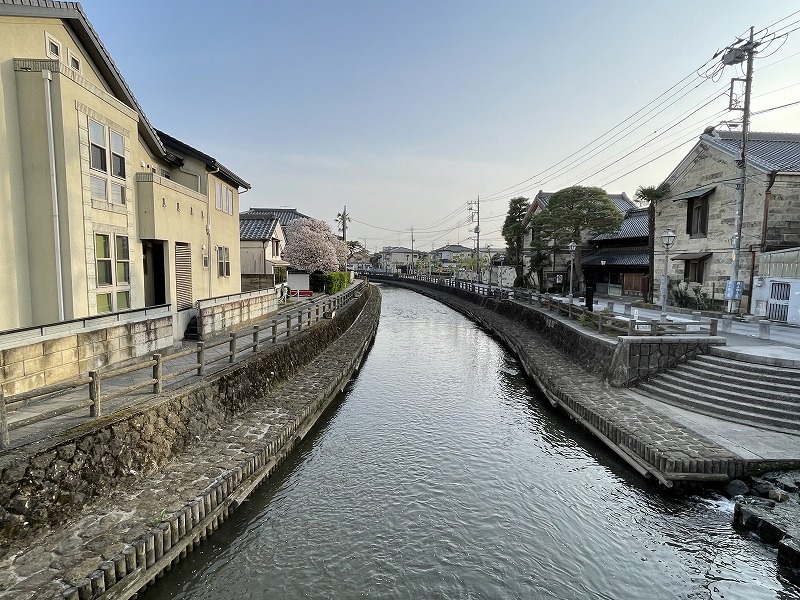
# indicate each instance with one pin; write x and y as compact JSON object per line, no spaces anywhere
{"x":330,"y":283}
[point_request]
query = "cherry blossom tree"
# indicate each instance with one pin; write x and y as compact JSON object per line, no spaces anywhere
{"x":312,"y":246}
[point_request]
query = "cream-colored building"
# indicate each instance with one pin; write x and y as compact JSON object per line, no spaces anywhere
{"x":101,"y":211}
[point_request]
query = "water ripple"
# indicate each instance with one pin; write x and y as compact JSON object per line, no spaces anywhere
{"x":442,"y":475}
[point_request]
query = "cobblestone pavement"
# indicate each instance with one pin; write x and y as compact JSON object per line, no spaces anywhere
{"x":60,"y":557}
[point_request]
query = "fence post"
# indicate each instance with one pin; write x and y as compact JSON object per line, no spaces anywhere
{"x":94,"y":393}
{"x":232,"y":347}
{"x":4,"y":441}
{"x":599,"y":322}
{"x":569,"y":309}
{"x":713,"y":327}
{"x":274,"y":331}
{"x":763,"y":329}
{"x":158,"y":385}
{"x":308,"y":321}
{"x":288,"y":326}
{"x":255,"y":338}
{"x":653,"y":326}
{"x":631,"y":327}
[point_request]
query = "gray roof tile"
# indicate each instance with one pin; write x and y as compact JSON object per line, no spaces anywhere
{"x":258,"y":228}
{"x":284,"y":215}
{"x":635,"y":224}
{"x":770,"y":151}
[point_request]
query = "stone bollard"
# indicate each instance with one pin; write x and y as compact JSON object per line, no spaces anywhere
{"x":763,"y":330}
{"x":725,"y":323}
{"x":610,"y":306}
{"x":696,"y":315}
{"x":627,"y":308}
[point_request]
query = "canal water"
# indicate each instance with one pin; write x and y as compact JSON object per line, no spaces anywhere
{"x":441,"y":474}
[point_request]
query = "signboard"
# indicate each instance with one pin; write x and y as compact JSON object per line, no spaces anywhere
{"x":692,"y":328}
{"x":734,"y":290}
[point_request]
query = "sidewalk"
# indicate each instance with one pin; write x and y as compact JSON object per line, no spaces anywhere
{"x":743,"y":341}
{"x":45,"y":429}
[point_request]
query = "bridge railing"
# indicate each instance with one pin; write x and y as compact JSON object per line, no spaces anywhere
{"x":281,"y":327}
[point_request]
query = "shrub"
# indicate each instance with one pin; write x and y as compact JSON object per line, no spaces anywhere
{"x":330,"y":283}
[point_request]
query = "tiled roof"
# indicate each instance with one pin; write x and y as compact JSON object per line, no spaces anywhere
{"x":258,"y":228}
{"x":284,"y":215}
{"x":453,"y":248}
{"x":618,"y":257}
{"x":635,"y":224}
{"x":770,"y":151}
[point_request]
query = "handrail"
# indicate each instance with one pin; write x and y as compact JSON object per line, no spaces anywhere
{"x":292,"y":321}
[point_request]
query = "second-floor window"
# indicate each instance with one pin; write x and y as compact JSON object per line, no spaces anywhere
{"x":697,"y":217}
{"x":224,"y":198}
{"x":107,"y":163}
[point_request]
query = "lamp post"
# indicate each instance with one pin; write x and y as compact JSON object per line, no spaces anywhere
{"x":667,"y":239}
{"x":571,"y":247}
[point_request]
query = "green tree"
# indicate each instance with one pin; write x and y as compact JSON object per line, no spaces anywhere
{"x":575,"y":210}
{"x":357,"y":250}
{"x":652,"y":195}
{"x":514,"y":233}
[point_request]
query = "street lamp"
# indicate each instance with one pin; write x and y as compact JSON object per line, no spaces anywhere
{"x":571,"y":247}
{"x":667,"y":239}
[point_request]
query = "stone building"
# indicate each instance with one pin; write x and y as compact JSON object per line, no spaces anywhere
{"x":702,"y":202}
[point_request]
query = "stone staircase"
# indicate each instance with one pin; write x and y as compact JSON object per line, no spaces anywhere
{"x":757,"y":395}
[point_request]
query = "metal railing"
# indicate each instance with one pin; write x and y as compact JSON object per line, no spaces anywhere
{"x":281,"y":327}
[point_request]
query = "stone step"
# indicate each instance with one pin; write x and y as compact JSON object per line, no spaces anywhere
{"x":712,"y":406}
{"x":741,"y":383}
{"x":679,"y":383}
{"x":765,"y":373}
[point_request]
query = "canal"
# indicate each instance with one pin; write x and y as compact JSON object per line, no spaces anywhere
{"x":441,"y":474}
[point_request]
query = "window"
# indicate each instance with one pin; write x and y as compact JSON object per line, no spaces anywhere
{"x":224,"y":198}
{"x":223,"y":261}
{"x":106,"y":148}
{"x":74,"y":62}
{"x":113,"y":272}
{"x":52,"y":46}
{"x":693,"y":270}
{"x":697,"y":217}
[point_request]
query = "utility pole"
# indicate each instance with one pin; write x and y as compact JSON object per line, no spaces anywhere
{"x":412,"y":247}
{"x":477,"y":236}
{"x":343,"y":218}
{"x":733,"y":290}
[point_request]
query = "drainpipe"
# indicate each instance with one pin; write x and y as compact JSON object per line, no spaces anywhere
{"x":47,"y":76}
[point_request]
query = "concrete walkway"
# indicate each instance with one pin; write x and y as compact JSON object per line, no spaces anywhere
{"x":47,"y":428}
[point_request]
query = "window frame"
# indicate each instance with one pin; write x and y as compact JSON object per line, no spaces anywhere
{"x":106,"y":164}
{"x":71,"y":56}
{"x":697,"y":217}
{"x":49,"y":39}
{"x":115,"y":288}
{"x":223,"y":261}
{"x":691,"y":269}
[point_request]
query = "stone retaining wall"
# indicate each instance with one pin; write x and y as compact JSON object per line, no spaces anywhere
{"x":58,"y":358}
{"x":622,"y":361}
{"x":44,"y":484}
{"x":213,"y":319}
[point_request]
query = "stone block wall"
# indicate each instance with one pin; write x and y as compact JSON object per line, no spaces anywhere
{"x":45,"y":483}
{"x":639,"y":358}
{"x":226,"y":316}
{"x":783,"y":217}
{"x":48,"y":361}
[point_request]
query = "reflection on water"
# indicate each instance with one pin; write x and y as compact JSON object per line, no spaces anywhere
{"x":441,"y":475}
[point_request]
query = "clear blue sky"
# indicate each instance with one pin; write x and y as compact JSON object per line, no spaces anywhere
{"x":406,"y":110}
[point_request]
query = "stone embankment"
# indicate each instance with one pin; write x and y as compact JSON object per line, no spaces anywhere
{"x":102,"y":511}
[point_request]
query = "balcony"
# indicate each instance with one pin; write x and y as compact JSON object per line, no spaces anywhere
{"x":165,"y":205}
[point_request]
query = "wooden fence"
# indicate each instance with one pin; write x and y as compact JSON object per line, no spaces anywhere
{"x":280,"y":327}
